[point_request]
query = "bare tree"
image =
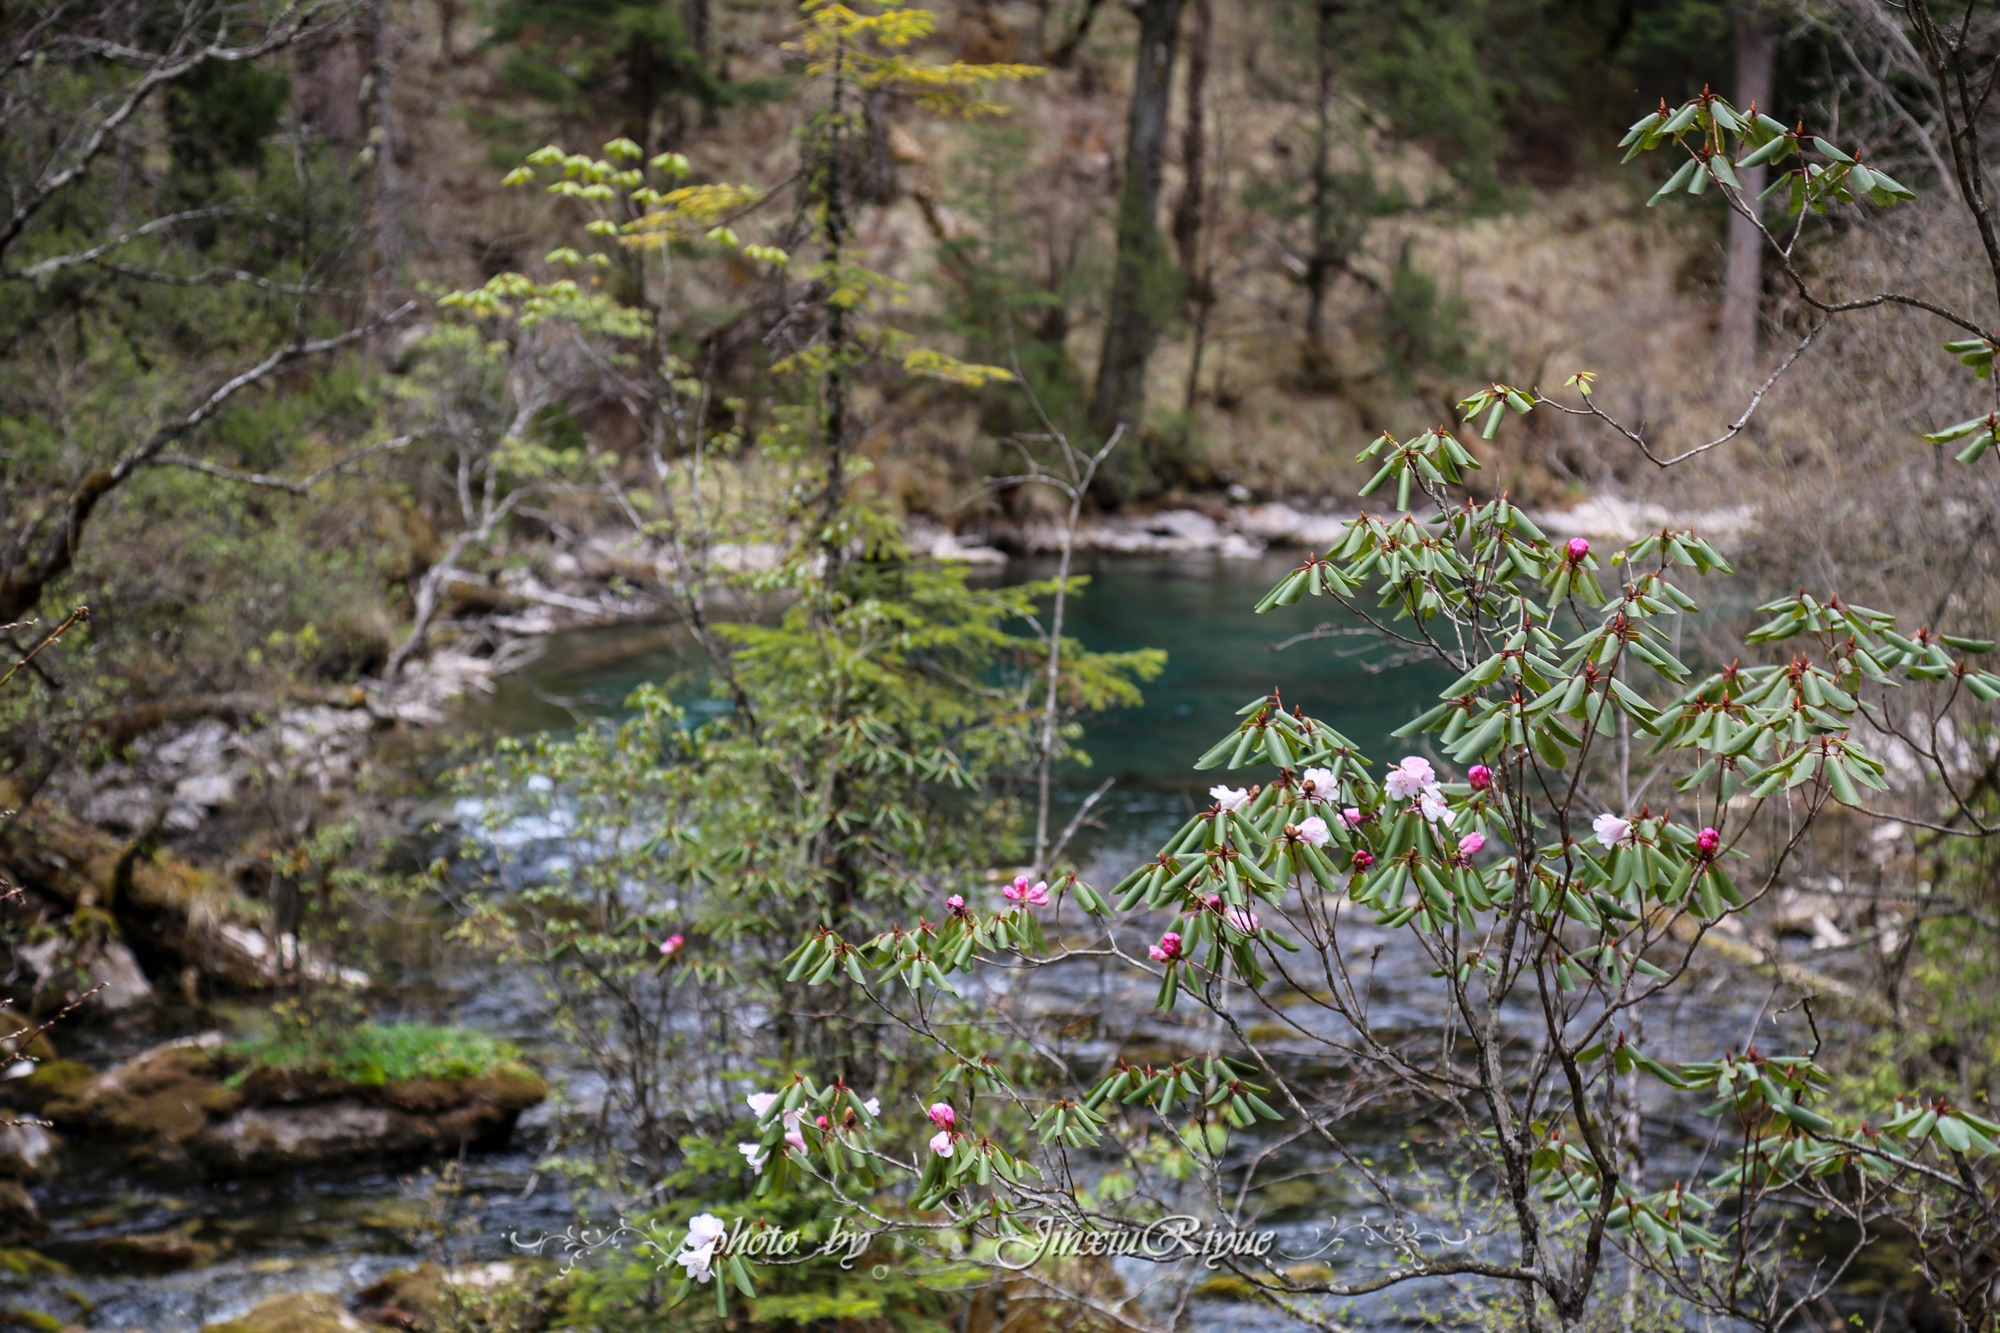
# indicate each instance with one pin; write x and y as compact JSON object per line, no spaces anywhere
{"x":1142,"y":278}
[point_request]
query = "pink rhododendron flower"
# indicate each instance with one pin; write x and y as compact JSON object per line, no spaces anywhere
{"x":1578,"y":548}
{"x":1431,"y":805}
{"x":1610,"y":829}
{"x":1230,"y":798}
{"x":942,"y":1115}
{"x":1034,"y":895}
{"x":955,"y":903}
{"x":1243,"y":919}
{"x":1313,"y":830}
{"x":1351,"y":815}
{"x":1168,"y":949}
{"x":941,"y":1143}
{"x":1319,"y":784}
{"x":1410,"y":778}
{"x":1480,"y":776}
{"x":795,"y":1140}
{"x":671,"y":946}
{"x":1471,"y":843}
{"x":1707,"y":841}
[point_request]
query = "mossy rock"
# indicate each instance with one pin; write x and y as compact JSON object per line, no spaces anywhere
{"x":40,"y":1320}
{"x":159,"y":1251}
{"x":299,"y":1312}
{"x":51,"y":1079}
{"x":429,"y":1297}
{"x":210,"y":1103}
{"x":28,"y":1265}
{"x":155,"y":1102}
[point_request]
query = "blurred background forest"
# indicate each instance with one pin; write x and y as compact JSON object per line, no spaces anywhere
{"x":1347,"y":214}
{"x":333,"y":392}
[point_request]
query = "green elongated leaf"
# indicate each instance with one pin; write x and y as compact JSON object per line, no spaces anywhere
{"x":1776,"y":150}
{"x":1425,"y":721}
{"x":1953,"y":1134}
{"x":1828,"y":150}
{"x":1955,"y":432}
{"x":1674,"y":182}
{"x":1967,"y":645}
{"x":1803,"y":1117}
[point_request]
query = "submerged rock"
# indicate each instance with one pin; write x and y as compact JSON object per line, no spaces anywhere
{"x":196,"y":1104}
{"x":159,"y":1251}
{"x":299,"y":1312}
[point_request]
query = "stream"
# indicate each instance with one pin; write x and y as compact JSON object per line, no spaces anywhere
{"x":341,"y":1231}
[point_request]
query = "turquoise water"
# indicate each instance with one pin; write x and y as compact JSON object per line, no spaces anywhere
{"x":1198,"y":608}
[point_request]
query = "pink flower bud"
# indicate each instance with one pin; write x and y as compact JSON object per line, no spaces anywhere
{"x":671,"y":946}
{"x":822,"y":1121}
{"x":1480,"y":776}
{"x":955,"y":903}
{"x":1168,"y":949}
{"x":1707,"y":841}
{"x":1362,"y":860}
{"x":942,"y":1115}
{"x":1578,"y":548}
{"x":1470,"y":844}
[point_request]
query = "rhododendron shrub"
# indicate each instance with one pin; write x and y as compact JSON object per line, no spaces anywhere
{"x":1568,"y":822}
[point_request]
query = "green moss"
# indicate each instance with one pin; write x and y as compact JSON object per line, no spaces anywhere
{"x":372,"y":1054}
{"x":22,"y":1265}
{"x":39,"y":1320}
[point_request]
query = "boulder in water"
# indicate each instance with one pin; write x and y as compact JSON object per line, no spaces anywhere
{"x":202,"y":1104}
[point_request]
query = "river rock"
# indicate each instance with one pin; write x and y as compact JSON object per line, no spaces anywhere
{"x":191,"y":1105}
{"x":20,"y":1220}
{"x":27,"y":1151}
{"x":429,"y":1297}
{"x":159,"y":1251}
{"x":299,"y":1312}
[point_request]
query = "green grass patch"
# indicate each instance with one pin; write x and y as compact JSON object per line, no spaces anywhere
{"x":371,"y":1054}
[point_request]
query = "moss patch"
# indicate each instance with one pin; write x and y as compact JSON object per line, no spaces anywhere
{"x":375,"y":1054}
{"x":24,"y":1265}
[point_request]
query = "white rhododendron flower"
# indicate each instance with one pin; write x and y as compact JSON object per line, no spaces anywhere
{"x":754,"y":1154}
{"x":941,"y":1143}
{"x":1313,"y":829}
{"x":1230,"y":798}
{"x":1410,"y":778}
{"x":760,"y":1104}
{"x":697,"y":1252}
{"x":1319,"y":783}
{"x":1611,"y":830}
{"x":1431,"y":805}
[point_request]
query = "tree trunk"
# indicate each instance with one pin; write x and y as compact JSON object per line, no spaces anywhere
{"x":385,"y":193}
{"x":1320,"y":265}
{"x":1742,"y":281}
{"x":1142,"y":281}
{"x":1190,"y":209}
